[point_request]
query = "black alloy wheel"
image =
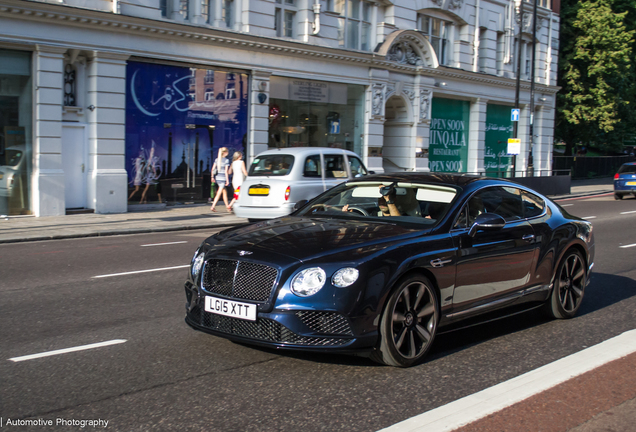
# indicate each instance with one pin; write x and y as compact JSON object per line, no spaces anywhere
{"x":409,"y":323}
{"x":569,"y":286}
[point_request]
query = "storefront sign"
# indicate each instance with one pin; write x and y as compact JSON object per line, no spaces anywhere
{"x":448,"y":140}
{"x":498,"y":130}
{"x":310,"y":91}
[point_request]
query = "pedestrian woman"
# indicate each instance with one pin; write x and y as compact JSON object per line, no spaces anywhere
{"x":222,"y":168}
{"x":239,"y":173}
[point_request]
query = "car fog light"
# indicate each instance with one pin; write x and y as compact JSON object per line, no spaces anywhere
{"x":345,"y":277}
{"x":197,"y":264}
{"x":308,"y":282}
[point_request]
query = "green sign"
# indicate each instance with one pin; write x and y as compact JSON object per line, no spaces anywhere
{"x":448,"y":139}
{"x":498,"y":130}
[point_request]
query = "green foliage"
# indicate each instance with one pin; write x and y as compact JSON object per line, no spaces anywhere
{"x":597,"y":102}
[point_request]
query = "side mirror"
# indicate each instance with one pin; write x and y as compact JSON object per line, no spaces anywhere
{"x":300,"y":204}
{"x":487,"y":221}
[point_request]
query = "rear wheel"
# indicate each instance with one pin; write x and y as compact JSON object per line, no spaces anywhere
{"x":618,"y":196}
{"x":409,"y":323}
{"x":569,"y":286}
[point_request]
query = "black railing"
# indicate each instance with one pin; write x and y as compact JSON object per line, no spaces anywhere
{"x":583,"y":167}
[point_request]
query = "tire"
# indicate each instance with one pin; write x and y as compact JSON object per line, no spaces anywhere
{"x":408,"y":324}
{"x":569,"y":286}
{"x":618,"y":196}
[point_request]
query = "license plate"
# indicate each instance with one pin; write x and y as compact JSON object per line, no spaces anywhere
{"x":259,"y":191}
{"x":631,"y":183}
{"x":229,"y":308}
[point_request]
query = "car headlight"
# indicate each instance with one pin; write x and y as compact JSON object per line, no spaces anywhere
{"x":197,"y":263}
{"x":308,"y":282}
{"x":345,"y":277}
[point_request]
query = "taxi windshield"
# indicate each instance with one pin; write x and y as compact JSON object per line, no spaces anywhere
{"x":271,"y":165}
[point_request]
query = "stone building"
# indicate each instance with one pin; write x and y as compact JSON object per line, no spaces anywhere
{"x":107,"y":103}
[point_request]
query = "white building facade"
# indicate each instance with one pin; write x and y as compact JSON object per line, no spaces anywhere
{"x":106,"y":104}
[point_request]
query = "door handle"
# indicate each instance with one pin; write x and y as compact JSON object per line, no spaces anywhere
{"x":82,"y":167}
{"x":528,"y":237}
{"x":439,"y":262}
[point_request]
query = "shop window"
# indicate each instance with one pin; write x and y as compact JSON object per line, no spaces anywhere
{"x":285,"y":18}
{"x":438,"y":32}
{"x":354,"y":24}
{"x":15,"y":132}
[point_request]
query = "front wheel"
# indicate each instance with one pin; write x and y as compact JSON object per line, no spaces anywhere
{"x":569,"y":286}
{"x":409,"y":323}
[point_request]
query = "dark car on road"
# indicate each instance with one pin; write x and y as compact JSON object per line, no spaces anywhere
{"x":381,"y":264}
{"x":625,"y":181}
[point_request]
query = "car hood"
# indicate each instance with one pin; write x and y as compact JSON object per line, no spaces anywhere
{"x":307,"y":238}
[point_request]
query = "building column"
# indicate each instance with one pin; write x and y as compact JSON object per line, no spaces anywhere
{"x":48,"y":176}
{"x":258,"y":130}
{"x":106,"y":117}
{"x":423,"y":101}
{"x":374,"y":120}
{"x":544,"y":135}
{"x":477,"y":136}
{"x":523,"y":133}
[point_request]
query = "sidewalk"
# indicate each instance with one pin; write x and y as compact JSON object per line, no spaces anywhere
{"x":29,"y":228}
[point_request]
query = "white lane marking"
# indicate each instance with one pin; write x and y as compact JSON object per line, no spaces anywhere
{"x":628,"y":246}
{"x":589,"y":217}
{"x":633,"y":211}
{"x":162,"y":244}
{"x":567,"y":205}
{"x":68,"y":350}
{"x":141,"y":271}
{"x":491,"y":400}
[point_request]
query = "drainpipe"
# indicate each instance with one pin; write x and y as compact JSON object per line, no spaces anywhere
{"x":316,"y":24}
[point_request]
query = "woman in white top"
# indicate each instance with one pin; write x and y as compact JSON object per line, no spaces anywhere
{"x":240,"y":172}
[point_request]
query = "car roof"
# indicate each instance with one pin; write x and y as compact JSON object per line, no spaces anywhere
{"x":629,"y":163}
{"x":302,"y":151}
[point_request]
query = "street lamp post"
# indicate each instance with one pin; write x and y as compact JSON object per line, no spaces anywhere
{"x":534,"y":53}
{"x":515,"y":125}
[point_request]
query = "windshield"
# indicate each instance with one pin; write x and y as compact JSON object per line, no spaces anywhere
{"x":271,"y":165}
{"x":401,"y":202}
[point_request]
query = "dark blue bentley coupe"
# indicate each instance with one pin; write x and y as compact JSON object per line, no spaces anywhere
{"x":381,"y":264}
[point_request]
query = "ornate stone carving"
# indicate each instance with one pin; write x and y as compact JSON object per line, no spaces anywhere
{"x":455,"y":4}
{"x":403,"y":53}
{"x":378,"y":99}
{"x":438,"y":2}
{"x":425,"y":101}
{"x":409,"y":93}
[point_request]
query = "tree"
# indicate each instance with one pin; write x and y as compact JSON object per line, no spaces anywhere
{"x":596,"y":74}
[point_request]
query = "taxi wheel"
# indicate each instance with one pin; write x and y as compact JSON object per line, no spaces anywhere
{"x":409,"y":323}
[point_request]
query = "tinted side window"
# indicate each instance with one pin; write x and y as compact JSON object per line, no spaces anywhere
{"x":532,"y":205}
{"x":312,"y":166}
{"x":509,"y":207}
{"x":357,"y":168}
{"x":627,"y":169}
{"x":335,"y":166}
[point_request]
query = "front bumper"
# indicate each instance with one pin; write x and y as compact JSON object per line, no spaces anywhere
{"x":305,"y":330}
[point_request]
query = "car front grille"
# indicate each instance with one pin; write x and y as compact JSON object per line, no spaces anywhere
{"x":263,"y":330}
{"x":325,"y":322}
{"x":239,"y":279}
